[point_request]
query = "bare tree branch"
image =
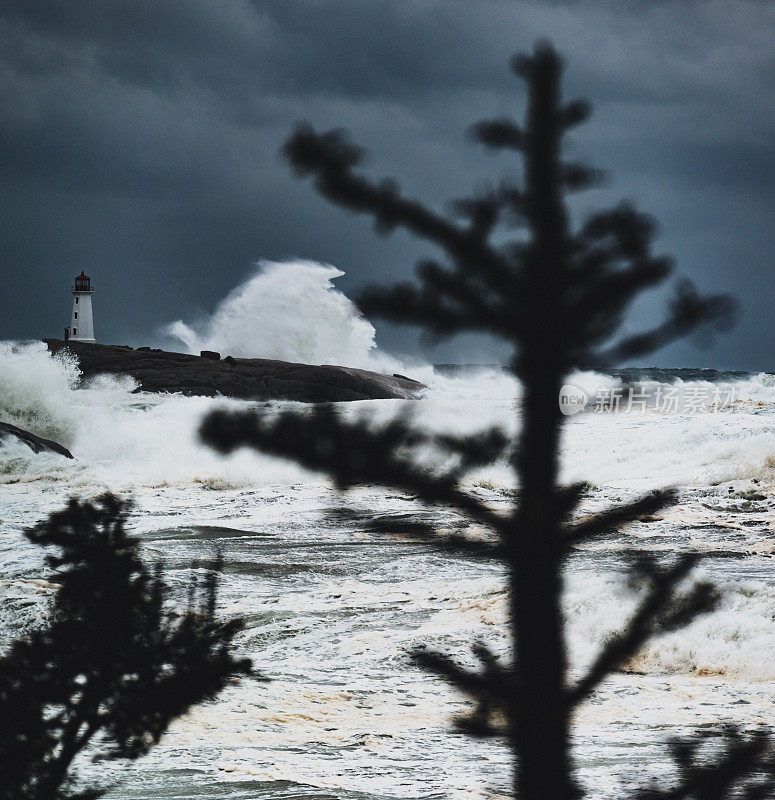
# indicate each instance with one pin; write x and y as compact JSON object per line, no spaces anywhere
{"x":613,"y":519}
{"x":353,"y":453}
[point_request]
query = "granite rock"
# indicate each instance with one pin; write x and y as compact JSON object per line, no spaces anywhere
{"x":240,"y":378}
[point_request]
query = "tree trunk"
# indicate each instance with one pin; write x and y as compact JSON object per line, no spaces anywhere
{"x":539,"y":721}
{"x":540,"y":725}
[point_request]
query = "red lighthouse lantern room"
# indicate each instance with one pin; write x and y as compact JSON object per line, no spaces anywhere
{"x":82,"y":283}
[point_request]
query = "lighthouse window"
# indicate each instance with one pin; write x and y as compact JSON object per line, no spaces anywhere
{"x":76,"y":315}
{"x":75,"y":330}
{"x":76,"y":300}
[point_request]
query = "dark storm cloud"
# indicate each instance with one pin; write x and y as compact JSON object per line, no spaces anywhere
{"x":140,"y":139}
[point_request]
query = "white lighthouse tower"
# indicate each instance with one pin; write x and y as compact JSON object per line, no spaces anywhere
{"x":82,"y":323}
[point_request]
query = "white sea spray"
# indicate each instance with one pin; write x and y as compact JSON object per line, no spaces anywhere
{"x":289,"y":311}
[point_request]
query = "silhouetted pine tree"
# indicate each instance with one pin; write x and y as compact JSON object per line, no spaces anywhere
{"x":558,"y":295}
{"x":112,"y":665}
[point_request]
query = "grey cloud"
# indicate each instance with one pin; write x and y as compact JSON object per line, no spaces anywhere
{"x":142,"y":136}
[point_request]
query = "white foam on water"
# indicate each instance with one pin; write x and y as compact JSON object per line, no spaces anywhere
{"x":735,"y":641}
{"x":36,"y":389}
{"x":311,"y":625}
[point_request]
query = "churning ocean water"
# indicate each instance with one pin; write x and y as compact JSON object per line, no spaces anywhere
{"x":332,"y":609}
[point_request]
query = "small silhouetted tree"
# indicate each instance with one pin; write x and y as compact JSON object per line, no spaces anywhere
{"x":557,"y":293}
{"x":113,"y":663}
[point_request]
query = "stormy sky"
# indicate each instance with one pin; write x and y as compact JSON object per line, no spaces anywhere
{"x":140,"y":142}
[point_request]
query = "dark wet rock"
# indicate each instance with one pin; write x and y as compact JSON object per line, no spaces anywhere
{"x":241,"y":378}
{"x":35,"y":443}
{"x":404,"y":378}
{"x":211,"y":354}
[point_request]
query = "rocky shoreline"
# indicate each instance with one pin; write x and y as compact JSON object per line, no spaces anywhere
{"x":240,"y":378}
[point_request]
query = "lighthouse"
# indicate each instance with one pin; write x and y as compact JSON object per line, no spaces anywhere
{"x":82,"y":323}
